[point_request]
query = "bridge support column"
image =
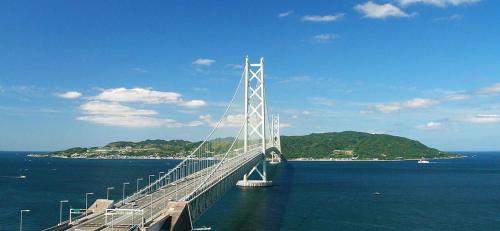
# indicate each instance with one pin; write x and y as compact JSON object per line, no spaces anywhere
{"x":254,"y":183}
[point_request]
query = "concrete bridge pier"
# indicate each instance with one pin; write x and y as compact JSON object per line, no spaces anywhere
{"x":255,"y":183}
{"x":175,"y":217}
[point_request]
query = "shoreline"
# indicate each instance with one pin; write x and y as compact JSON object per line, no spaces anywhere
{"x":370,"y":160}
{"x":182,"y":158}
{"x":109,"y":158}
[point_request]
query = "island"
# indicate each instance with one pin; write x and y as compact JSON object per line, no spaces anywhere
{"x":351,"y":145}
{"x":347,"y":145}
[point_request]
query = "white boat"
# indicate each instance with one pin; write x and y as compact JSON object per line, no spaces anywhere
{"x":423,"y":161}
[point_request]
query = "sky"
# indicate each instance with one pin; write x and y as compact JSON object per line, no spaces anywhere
{"x":86,"y":73}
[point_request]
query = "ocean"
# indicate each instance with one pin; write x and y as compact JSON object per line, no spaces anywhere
{"x":454,"y":194}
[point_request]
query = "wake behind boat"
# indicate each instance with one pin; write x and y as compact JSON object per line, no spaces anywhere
{"x":15,"y":177}
{"x":423,"y":161}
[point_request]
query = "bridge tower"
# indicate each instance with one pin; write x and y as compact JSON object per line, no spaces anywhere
{"x":255,"y":119}
{"x":276,"y":140}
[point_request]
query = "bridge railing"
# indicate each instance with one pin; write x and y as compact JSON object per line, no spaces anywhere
{"x":230,"y":159}
{"x":229,"y":172}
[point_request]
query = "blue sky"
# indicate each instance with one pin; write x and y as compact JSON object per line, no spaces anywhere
{"x":85,"y":73}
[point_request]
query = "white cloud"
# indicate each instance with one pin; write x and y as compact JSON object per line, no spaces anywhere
{"x":324,"y":37}
{"x":439,"y":3}
{"x":232,"y":120}
{"x":123,"y":121}
{"x":135,"y":121}
{"x":410,"y":104}
{"x":112,"y":108}
{"x":388,"y":108}
{"x":235,"y":66}
{"x":70,"y":95}
{"x":306,"y":112}
{"x":380,"y":11}
{"x":323,"y":101}
{"x":107,"y":108}
{"x":208,"y":119}
{"x":482,"y":119}
{"x":285,"y":14}
{"x":148,"y":96}
{"x":24,"y":89}
{"x":285,"y":125}
{"x":193,"y":103}
{"x":431,"y":126}
{"x":2,"y":90}
{"x":453,"y":17}
{"x":115,"y":114}
{"x":420,"y":103}
{"x":204,"y":61}
{"x":494,"y":89}
{"x":456,"y":97}
{"x":427,"y":102}
{"x":322,"y":18}
{"x":138,"y":95}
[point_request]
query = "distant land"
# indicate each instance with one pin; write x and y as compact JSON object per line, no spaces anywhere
{"x":347,"y":145}
{"x":350,"y":145}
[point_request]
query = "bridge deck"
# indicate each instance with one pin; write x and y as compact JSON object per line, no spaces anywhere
{"x":159,"y":198}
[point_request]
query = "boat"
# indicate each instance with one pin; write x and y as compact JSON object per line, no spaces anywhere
{"x":202,"y":228}
{"x":423,"y":161}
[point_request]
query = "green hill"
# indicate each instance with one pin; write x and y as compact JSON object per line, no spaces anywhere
{"x":356,"y":145}
{"x":337,"y":145}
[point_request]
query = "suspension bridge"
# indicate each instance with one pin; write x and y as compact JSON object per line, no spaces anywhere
{"x":178,"y":198}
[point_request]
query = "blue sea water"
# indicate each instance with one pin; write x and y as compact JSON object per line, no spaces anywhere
{"x":456,"y":194}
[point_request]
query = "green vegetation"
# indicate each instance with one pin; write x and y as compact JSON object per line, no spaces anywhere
{"x":356,"y":145}
{"x":335,"y":145}
{"x":150,"y":148}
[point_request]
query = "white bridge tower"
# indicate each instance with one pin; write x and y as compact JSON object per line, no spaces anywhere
{"x":275,"y":139}
{"x":255,"y":119}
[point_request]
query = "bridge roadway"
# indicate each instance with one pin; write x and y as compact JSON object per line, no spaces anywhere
{"x":161,"y":197}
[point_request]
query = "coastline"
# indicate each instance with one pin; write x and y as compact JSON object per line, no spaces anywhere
{"x":182,"y":158}
{"x":109,"y":157}
{"x":370,"y":160}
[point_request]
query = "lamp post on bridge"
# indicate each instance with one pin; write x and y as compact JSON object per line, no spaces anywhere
{"x":149,"y":184}
{"x":159,"y":177}
{"x":167,"y":179}
{"x":176,"y":184}
{"x":185,"y":175}
{"x":123,"y":191}
{"x":60,"y":210}
{"x":21,"y":221}
{"x":185,"y":169}
{"x":107,"y":192}
{"x":195,"y":179}
{"x":137,"y":184}
{"x":86,"y":202}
